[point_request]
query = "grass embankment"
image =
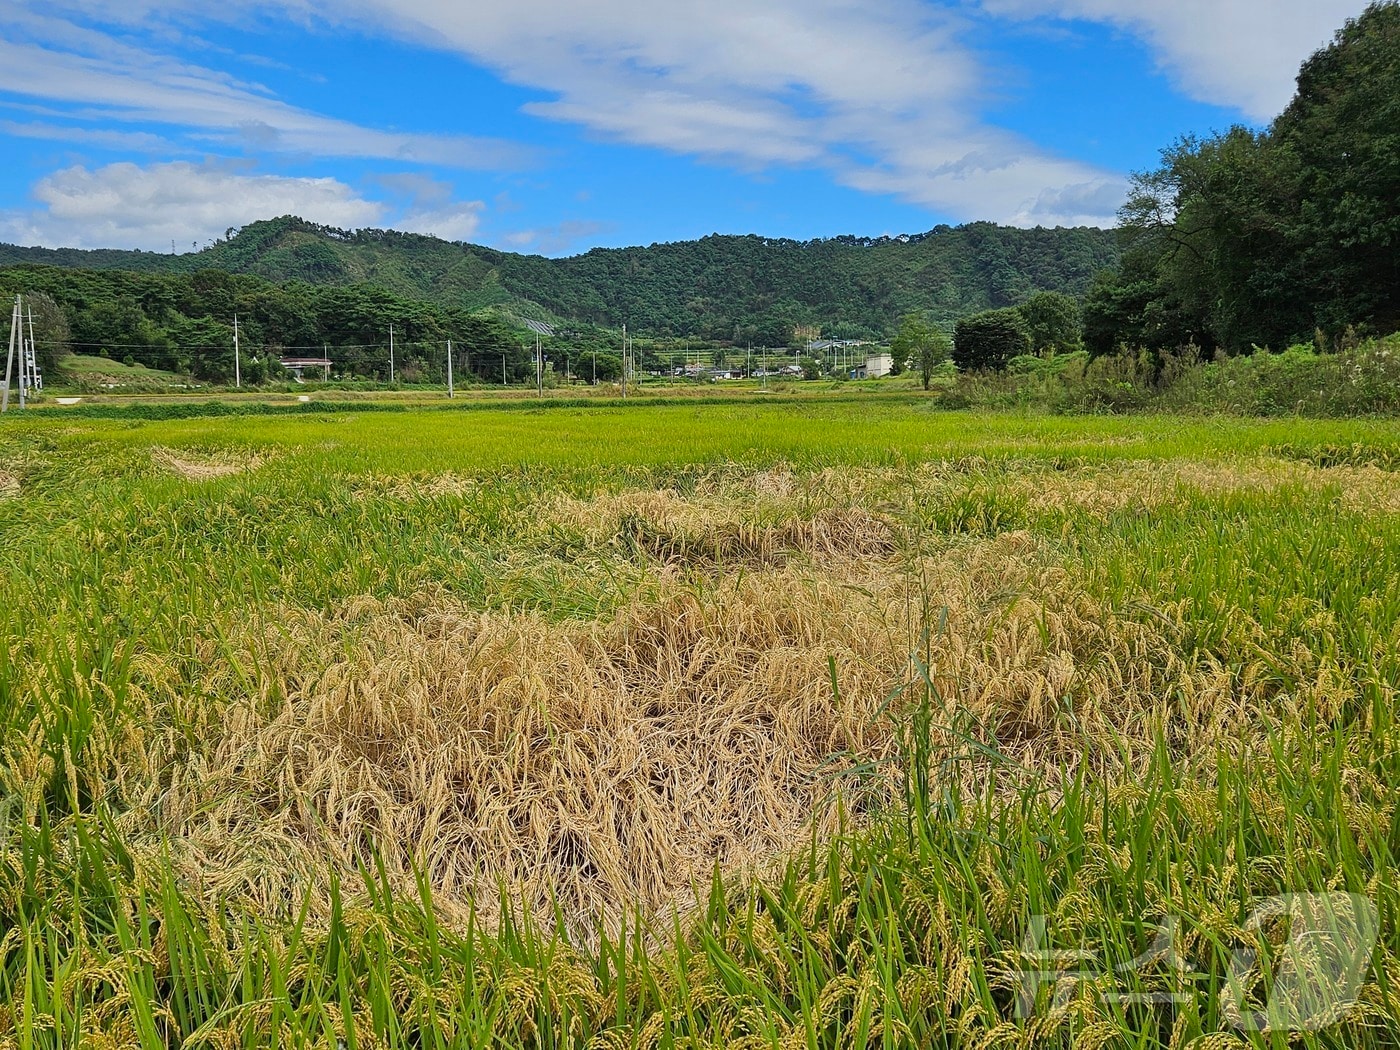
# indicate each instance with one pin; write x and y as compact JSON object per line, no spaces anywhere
{"x":93,"y":375}
{"x":691,"y":725}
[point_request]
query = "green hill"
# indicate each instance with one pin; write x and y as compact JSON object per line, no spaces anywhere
{"x":739,"y":288}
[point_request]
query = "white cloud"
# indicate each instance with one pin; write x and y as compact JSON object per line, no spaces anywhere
{"x":431,"y":206}
{"x":883,"y":93}
{"x":107,"y":80}
{"x":455,"y":222}
{"x":129,"y":206}
{"x":961,"y":176}
{"x":553,"y":240}
{"x":1240,"y":53}
{"x":106,"y":138}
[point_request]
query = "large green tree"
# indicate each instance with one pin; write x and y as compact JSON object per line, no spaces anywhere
{"x":1054,"y":321}
{"x":919,"y":344}
{"x":1252,"y":238}
{"x":990,"y":339}
{"x":53,"y":337}
{"x":1341,"y":135}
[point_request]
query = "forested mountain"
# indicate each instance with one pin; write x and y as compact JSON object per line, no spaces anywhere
{"x":721,"y":288}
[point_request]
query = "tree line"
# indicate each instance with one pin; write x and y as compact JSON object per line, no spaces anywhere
{"x":184,"y":323}
{"x":1244,"y":240}
{"x":1266,"y":238}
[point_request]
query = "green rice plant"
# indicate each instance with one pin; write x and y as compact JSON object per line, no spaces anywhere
{"x":1106,"y":685}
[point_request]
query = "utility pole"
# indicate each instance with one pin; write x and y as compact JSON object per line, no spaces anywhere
{"x":237,"y":365}
{"x":503,"y":371}
{"x":36,"y":381}
{"x":450,"y":391}
{"x":10,"y":359}
{"x":34,"y":377}
{"x":595,"y":366}
{"x":539,"y":367}
{"x":326,"y":353}
{"x":23,"y":357}
{"x":391,"y":353}
{"x":624,"y":360}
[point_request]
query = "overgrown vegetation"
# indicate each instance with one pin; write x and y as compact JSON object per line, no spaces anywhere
{"x":1363,"y":380}
{"x":689,"y":725}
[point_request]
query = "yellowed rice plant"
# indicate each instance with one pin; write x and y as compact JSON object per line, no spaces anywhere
{"x":196,"y":465}
{"x":611,"y":765}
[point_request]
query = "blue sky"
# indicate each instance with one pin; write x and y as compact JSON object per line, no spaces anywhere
{"x":553,"y":127}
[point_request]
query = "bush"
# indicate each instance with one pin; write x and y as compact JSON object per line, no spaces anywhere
{"x":1363,"y":381}
{"x":1115,"y":383}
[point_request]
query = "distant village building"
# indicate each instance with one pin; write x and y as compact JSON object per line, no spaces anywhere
{"x":298,"y":365}
{"x":876,"y":366}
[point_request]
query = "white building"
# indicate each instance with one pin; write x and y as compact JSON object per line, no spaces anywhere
{"x":876,"y":366}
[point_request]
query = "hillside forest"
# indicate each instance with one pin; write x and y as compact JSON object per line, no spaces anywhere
{"x":303,"y":289}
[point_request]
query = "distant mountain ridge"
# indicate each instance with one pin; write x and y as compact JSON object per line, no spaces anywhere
{"x":718,"y":287}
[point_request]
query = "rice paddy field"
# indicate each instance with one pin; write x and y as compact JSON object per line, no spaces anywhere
{"x":837,"y":723}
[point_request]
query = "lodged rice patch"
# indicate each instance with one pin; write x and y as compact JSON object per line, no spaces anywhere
{"x":609,"y":766}
{"x":207,"y":464}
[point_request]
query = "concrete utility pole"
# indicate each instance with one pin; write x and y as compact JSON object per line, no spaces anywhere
{"x":25,"y":356}
{"x":450,"y":391}
{"x":391,"y":353}
{"x":237,"y":365}
{"x":624,"y":360}
{"x":10,"y":359}
{"x":35,"y":379}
